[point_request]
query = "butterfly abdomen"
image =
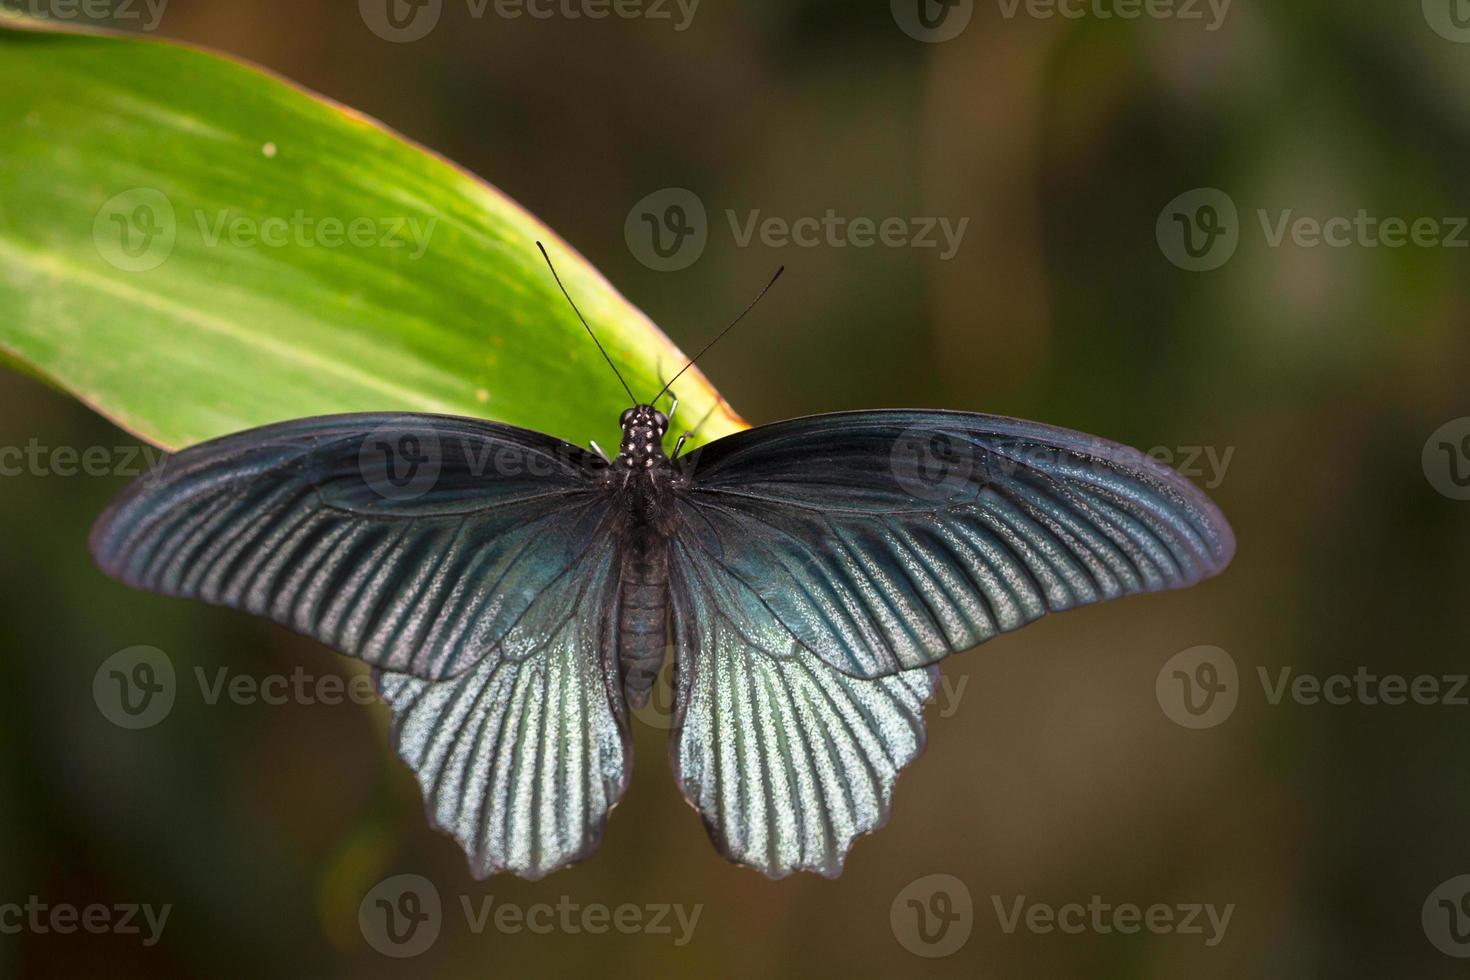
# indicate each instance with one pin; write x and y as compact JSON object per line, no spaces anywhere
{"x":643,"y":612}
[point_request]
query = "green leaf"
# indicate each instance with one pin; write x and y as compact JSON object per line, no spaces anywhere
{"x":192,"y":246}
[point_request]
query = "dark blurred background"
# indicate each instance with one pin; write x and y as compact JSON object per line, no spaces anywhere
{"x":1304,"y":384}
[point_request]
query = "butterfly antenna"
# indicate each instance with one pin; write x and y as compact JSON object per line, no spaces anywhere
{"x":722,"y":333}
{"x":600,"y":348}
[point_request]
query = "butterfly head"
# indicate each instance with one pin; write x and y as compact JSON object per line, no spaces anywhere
{"x":643,"y":435}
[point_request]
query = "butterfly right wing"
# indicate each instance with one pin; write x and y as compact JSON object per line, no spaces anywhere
{"x":415,"y":543}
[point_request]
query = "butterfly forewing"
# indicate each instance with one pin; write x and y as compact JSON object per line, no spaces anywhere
{"x":414,"y":542}
{"x":883,"y":541}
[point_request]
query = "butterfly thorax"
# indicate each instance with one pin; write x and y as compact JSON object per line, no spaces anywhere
{"x":641,"y":479}
{"x":641,"y":476}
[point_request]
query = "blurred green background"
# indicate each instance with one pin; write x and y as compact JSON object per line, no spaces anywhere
{"x":1056,"y":774}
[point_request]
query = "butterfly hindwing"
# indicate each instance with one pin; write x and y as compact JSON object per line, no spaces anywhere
{"x":787,"y":759}
{"x":413,"y":542}
{"x":520,"y":760}
{"x":883,"y":541}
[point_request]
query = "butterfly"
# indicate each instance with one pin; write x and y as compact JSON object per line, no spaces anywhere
{"x":515,"y":596}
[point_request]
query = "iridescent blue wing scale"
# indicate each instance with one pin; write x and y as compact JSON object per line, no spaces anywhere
{"x":822,"y":566}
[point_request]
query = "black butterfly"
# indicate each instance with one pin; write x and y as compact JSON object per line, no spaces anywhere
{"x":515,"y":594}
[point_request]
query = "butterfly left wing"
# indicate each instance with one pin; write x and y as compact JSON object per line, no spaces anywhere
{"x":521,"y":761}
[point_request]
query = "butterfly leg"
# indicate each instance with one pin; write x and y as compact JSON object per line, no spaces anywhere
{"x":598,"y":450}
{"x":679,"y":445}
